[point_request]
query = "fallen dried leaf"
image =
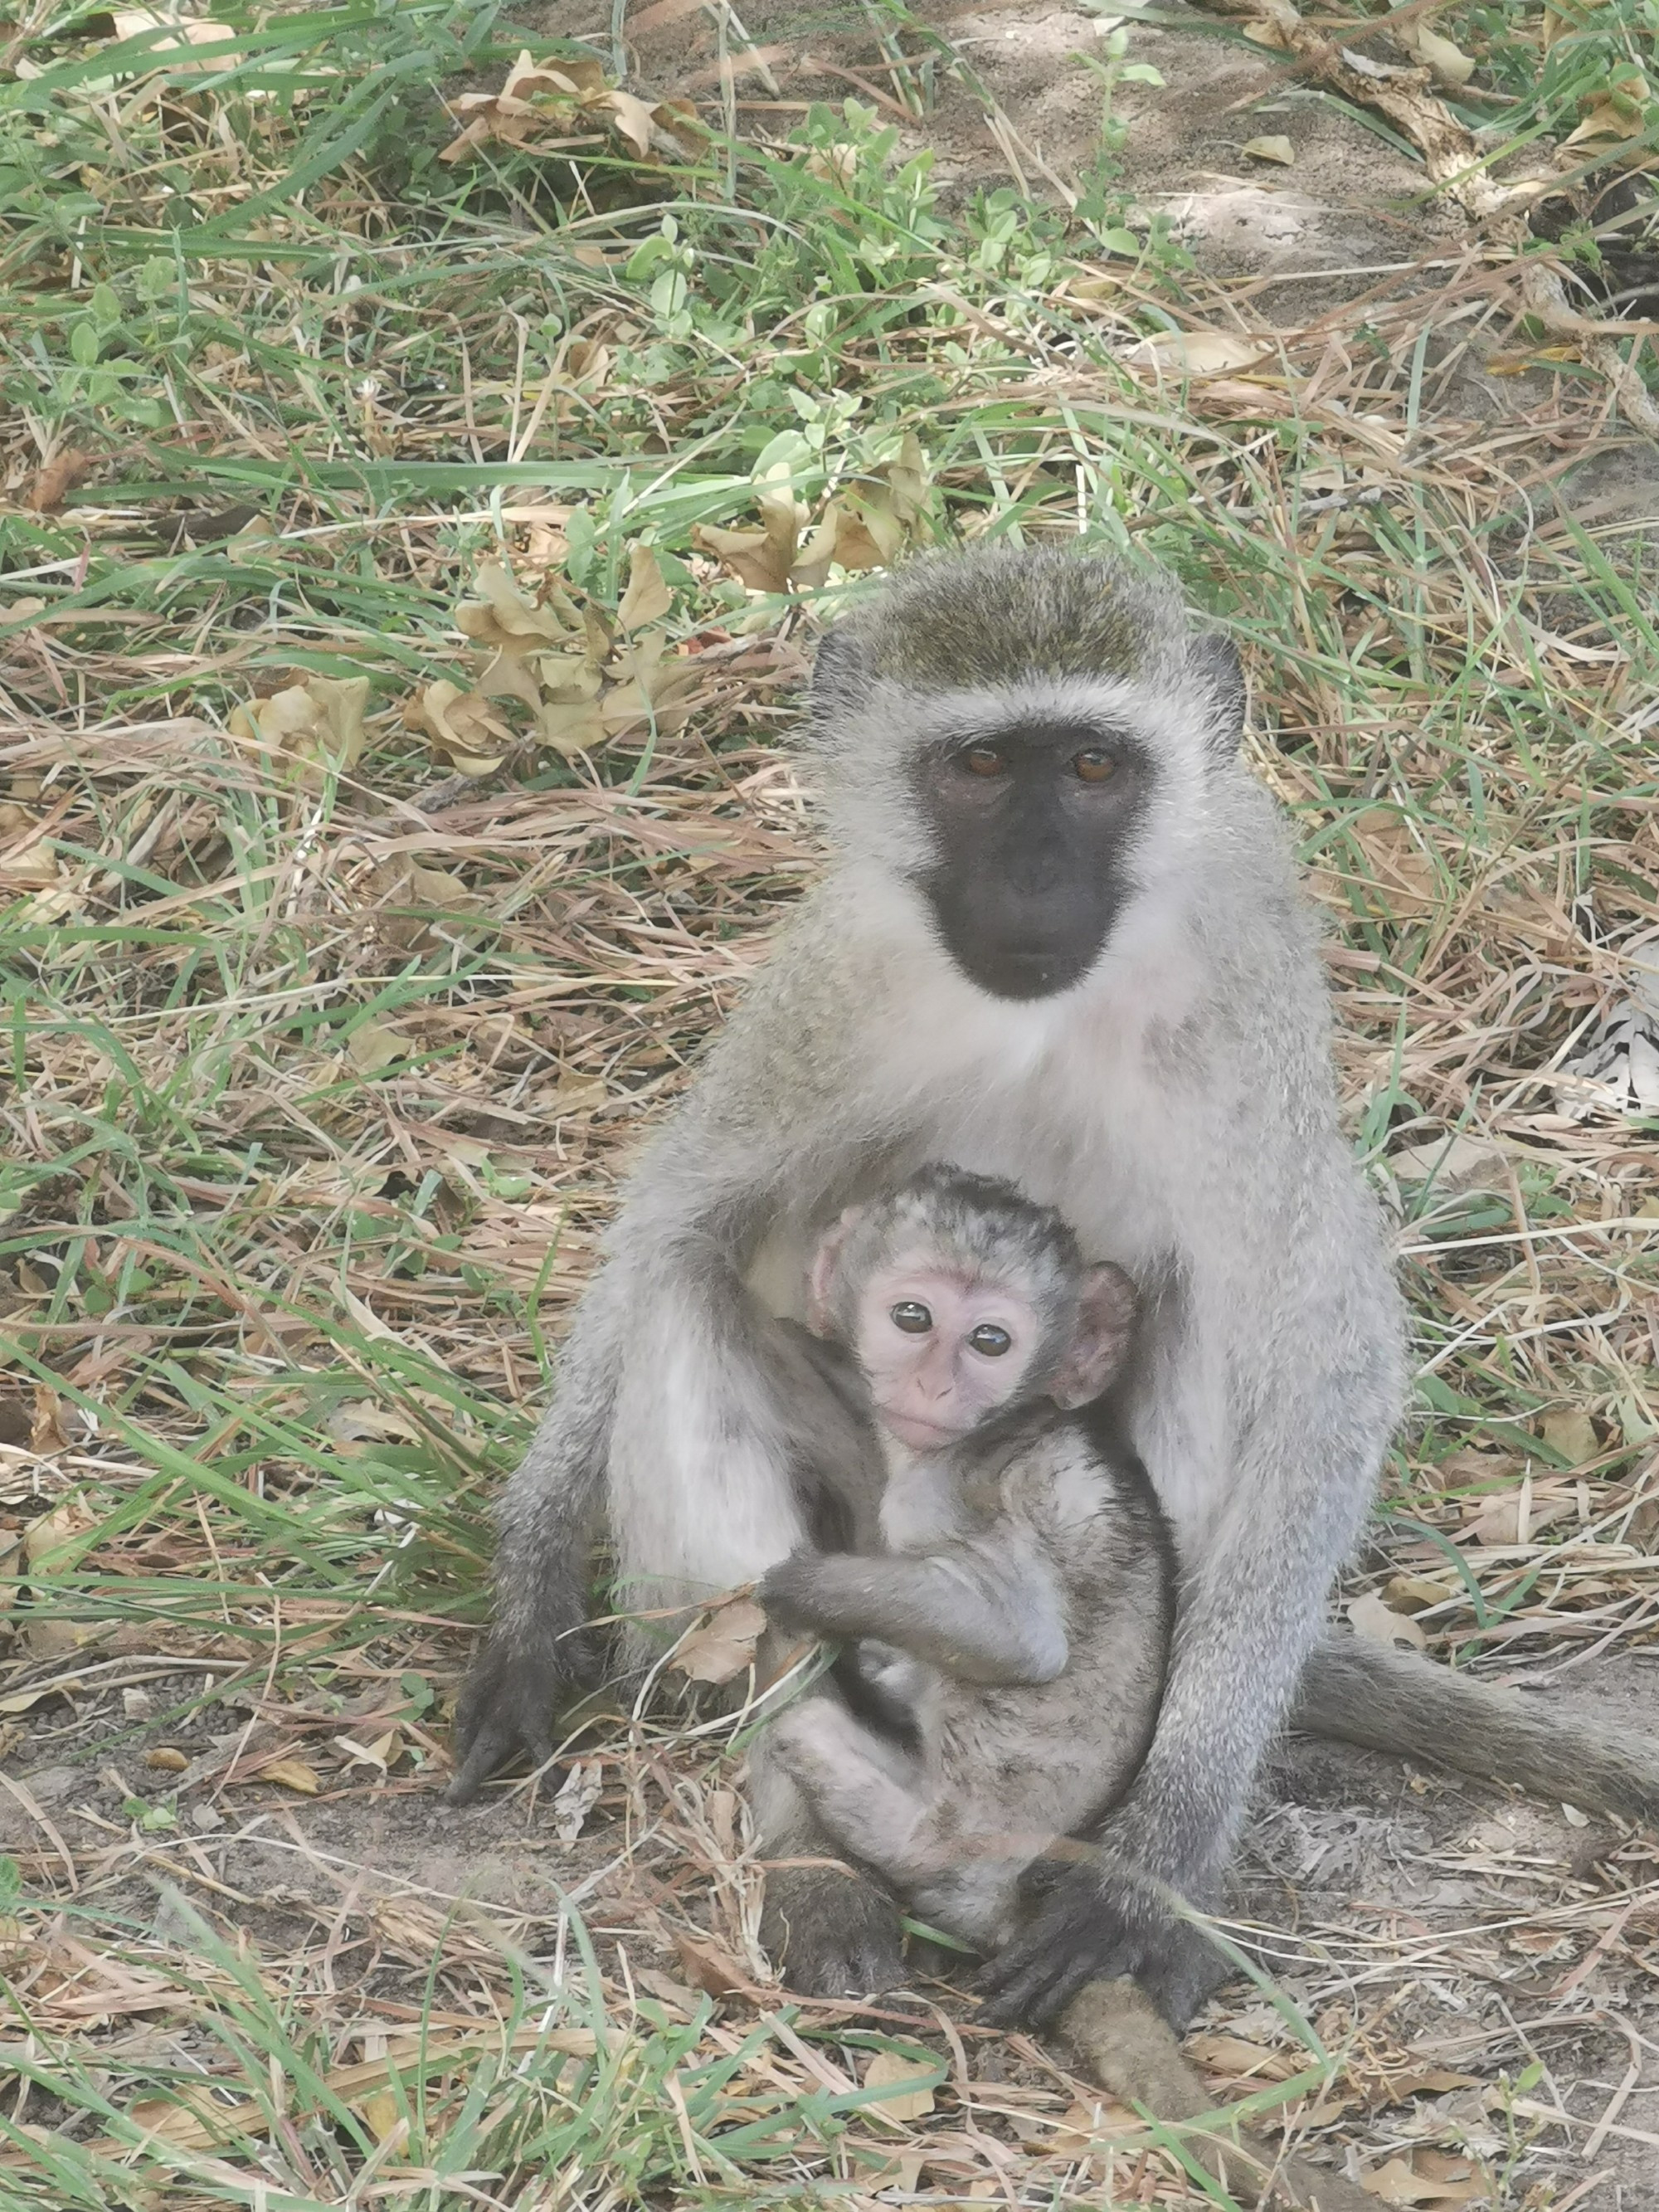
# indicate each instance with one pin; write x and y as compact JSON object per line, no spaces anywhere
{"x":130,"y":22}
{"x":28,"y":862}
{"x":381,"y":2115}
{"x":1371,"y":1618}
{"x":580,"y":727}
{"x":311,"y":728}
{"x":631,"y":118}
{"x":56,"y":1539}
{"x":403,"y":883}
{"x":1234,"y":2058}
{"x":1447,"y":63}
{"x":358,"y":1421}
{"x":1514,"y":1518}
{"x":577,"y":1795}
{"x":1200,"y":353}
{"x":1082,"y":2127}
{"x":1470,"y":1470}
{"x":891,"y":2069}
{"x":288,"y":1774}
{"x":1466,"y":1161}
{"x":1571,"y":1433}
{"x":56,"y":478}
{"x":721,"y":1648}
{"x":759,"y":559}
{"x":833,"y":165}
{"x":465,"y":730}
{"x":676,"y":1994}
{"x":534,"y":108}
{"x":1426,"y":2180}
{"x":1615,"y":116}
{"x":1414,"y":1593}
{"x":707,"y":1967}
{"x":383,"y":1753}
{"x":49,"y":1431}
{"x":23,"y":1701}
{"x":1270,"y":149}
{"x":1405,"y":880}
{"x":648,"y":598}
{"x":50,"y":1636}
{"x":373,"y":1046}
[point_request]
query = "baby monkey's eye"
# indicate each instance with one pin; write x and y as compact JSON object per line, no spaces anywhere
{"x":984,"y":760}
{"x":1094,"y":764}
{"x":990,"y":1340}
{"x":912,"y":1316}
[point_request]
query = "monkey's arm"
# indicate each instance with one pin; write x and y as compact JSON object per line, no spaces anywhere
{"x":668,"y":1416}
{"x":1313,"y":1379}
{"x":829,"y":1420}
{"x":974,"y":1615}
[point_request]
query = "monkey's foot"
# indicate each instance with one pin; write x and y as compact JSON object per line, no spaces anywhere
{"x":506,"y":1708}
{"x":1098,"y":1923}
{"x":833,"y":1934}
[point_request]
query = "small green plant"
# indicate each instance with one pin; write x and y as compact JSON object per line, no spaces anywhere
{"x":1100,"y":199}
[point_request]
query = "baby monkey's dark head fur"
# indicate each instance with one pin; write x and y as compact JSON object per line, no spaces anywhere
{"x":963,"y":1300}
{"x":1025,"y":738}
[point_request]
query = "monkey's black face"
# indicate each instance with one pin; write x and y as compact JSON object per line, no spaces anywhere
{"x":1032,"y":825}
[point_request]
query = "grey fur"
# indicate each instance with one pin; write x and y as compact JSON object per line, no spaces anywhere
{"x":1177,"y":1106}
{"x":1030,"y":1580}
{"x":1392,"y":1701}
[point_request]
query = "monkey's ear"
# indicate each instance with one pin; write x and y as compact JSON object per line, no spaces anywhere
{"x":841,"y":674}
{"x":1105,"y":1320}
{"x":1213,"y":658}
{"x":821,"y":1277}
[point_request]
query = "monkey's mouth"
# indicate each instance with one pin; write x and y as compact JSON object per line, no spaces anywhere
{"x":1008,"y":973}
{"x":915,"y":1434}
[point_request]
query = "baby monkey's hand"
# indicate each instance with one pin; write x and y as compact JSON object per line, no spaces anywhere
{"x":787,"y":1594}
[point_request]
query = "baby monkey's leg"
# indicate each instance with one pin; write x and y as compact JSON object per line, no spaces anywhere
{"x":870,"y":1796}
{"x":863,"y":1790}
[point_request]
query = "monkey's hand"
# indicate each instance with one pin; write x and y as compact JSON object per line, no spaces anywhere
{"x":507,"y":1706}
{"x":792,"y":1595}
{"x":1097,"y":1920}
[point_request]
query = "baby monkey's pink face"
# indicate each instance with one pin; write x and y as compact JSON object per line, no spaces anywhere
{"x":941,"y":1349}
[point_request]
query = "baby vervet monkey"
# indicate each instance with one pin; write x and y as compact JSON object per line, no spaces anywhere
{"x":1025,"y":1596}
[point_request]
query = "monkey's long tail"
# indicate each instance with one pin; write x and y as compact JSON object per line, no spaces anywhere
{"x":1389,"y":1700}
{"x":1123,"y":2042}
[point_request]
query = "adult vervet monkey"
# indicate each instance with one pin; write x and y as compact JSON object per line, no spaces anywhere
{"x":1058,"y":942}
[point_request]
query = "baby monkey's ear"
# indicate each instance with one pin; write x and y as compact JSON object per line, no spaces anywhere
{"x":821,"y":1277}
{"x":1105,"y":1323}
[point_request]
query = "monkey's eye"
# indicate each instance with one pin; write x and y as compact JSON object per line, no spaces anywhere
{"x":912,"y":1316}
{"x":990,"y":1340}
{"x":1094,"y":764}
{"x":984,"y":760}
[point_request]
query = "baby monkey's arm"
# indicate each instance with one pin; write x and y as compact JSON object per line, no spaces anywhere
{"x":981,"y":1617}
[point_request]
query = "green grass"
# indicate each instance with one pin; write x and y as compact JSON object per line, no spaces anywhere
{"x":319,"y":1061}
